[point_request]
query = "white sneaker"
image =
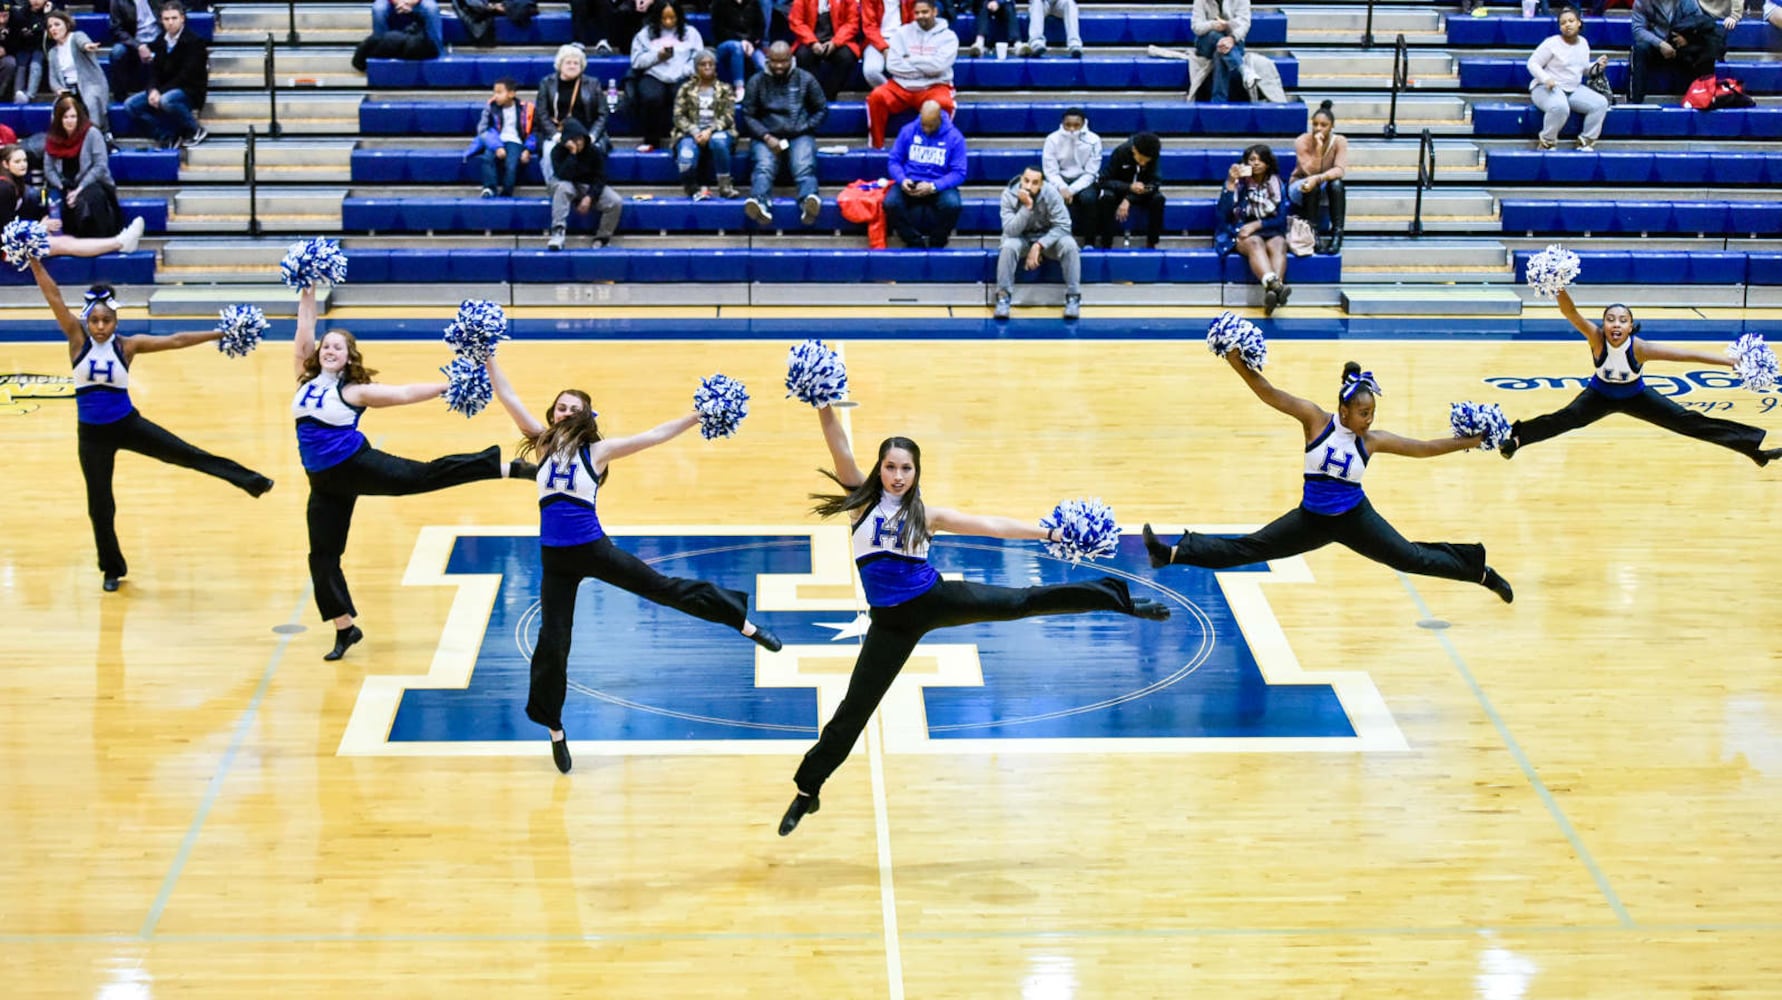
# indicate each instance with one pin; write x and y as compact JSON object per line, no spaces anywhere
{"x":755,"y":209}
{"x":812,"y":205}
{"x":131,"y":236}
{"x":556,"y":240}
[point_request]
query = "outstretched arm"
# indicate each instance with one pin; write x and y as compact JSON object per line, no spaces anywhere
{"x":305,"y":342}
{"x":841,"y":450}
{"x":64,"y":319}
{"x":1646,"y":351}
{"x":510,"y":401}
{"x":171,"y":341}
{"x":1569,"y":310}
{"x":974,"y":524}
{"x":1310,"y":416}
{"x":613,"y":448}
{"x":374,"y":395}
{"x":1381,"y":442}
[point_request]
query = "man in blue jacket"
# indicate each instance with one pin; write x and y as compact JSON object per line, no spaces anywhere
{"x":927,"y":166}
{"x":1673,"y":32}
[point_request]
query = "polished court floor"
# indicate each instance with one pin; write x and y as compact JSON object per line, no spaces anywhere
{"x":1319,"y":779}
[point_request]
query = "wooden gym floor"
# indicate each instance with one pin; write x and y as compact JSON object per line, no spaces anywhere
{"x":1571,"y":796}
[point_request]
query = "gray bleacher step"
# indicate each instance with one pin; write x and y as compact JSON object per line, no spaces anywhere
{"x":244,"y":253}
{"x":308,"y":66}
{"x":210,"y":210}
{"x":260,"y":19}
{"x":1318,"y":69}
{"x":1384,"y":254}
{"x":241,"y":105}
{"x":1388,"y":20}
{"x":274,"y":299}
{"x":283,"y":160}
{"x":1444,"y":300}
{"x":1419,"y":109}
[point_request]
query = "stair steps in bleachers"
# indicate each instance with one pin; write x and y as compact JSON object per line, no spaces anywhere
{"x":1367,"y":114}
{"x":285,"y":210}
{"x":1430,"y":300}
{"x":308,"y":66}
{"x":1321,"y":69}
{"x":317,"y":24}
{"x":274,"y":299}
{"x":301,"y":161}
{"x":324,"y":113}
{"x":1343,"y":24}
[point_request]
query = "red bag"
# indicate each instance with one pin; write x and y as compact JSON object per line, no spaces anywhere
{"x":1700,"y":94}
{"x":864,"y":202}
{"x":1730,"y":93}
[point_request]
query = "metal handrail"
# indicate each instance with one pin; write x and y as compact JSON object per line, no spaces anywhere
{"x":1401,"y":77}
{"x":291,"y":36}
{"x":1367,"y":33}
{"x":1425,"y":178}
{"x":249,"y":169}
{"x":272,"y":126}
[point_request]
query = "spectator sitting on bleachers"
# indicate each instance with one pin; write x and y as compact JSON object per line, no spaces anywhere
{"x":505,"y":139}
{"x":179,"y":78}
{"x":579,"y":166}
{"x":1253,"y":221}
{"x":478,"y":17}
{"x":564,"y":94}
{"x":920,"y":63}
{"x":11,"y":47}
{"x":18,"y":200}
{"x":1036,"y":224}
{"x":1726,"y":15}
{"x":134,"y":25}
{"x":1071,"y":161}
{"x":995,"y":22}
{"x":1557,"y":87}
{"x":704,"y":125}
{"x":77,"y":170}
{"x":1772,"y":12}
{"x":1316,"y":188}
{"x":28,"y":23}
{"x":827,"y":40}
{"x":662,"y":57}
{"x":782,"y":110}
{"x":739,"y":29}
{"x":1064,"y":10}
{"x":1129,"y":180}
{"x":72,"y":68}
{"x":607,"y":24}
{"x":401,"y":29}
{"x":1676,"y":32}
{"x":1220,"y":27}
{"x":927,"y":165}
{"x":878,"y":19}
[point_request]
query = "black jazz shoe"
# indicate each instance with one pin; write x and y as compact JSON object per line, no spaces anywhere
{"x":560,"y":753}
{"x":766,"y":640}
{"x":111,"y":584}
{"x":1160,"y":553}
{"x":801,"y":804}
{"x":343,"y":638}
{"x":1497,"y":585}
{"x":1144,"y":607}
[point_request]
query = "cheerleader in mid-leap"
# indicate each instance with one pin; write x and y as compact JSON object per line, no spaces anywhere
{"x":908,"y":599}
{"x":1338,"y":447}
{"x":1616,"y":387}
{"x":573,"y":463}
{"x":110,"y":423}
{"x":334,"y":388}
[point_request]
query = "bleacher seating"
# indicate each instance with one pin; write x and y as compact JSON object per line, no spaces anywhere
{"x":775,"y":266}
{"x":200,"y":23}
{"x":460,"y":71}
{"x":975,"y":118}
{"x":1601,"y":32}
{"x":1522,"y":119}
{"x":1692,"y":267}
{"x":1698,"y":169}
{"x":73,"y":272}
{"x":1643,"y":217}
{"x":1512,"y":74}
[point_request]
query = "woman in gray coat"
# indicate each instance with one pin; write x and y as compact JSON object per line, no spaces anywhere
{"x":72,"y":68}
{"x":77,"y":170}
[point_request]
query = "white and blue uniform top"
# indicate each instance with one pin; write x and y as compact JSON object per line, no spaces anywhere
{"x":327,"y":425}
{"x":566,"y":490}
{"x":891,"y":572}
{"x":1335,"y":462}
{"x":101,"y":383}
{"x":1617,"y":374}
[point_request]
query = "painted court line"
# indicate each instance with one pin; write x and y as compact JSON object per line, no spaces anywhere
{"x":1522,"y":761}
{"x":215,"y":787}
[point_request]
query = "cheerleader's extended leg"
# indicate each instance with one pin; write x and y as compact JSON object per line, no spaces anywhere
{"x":148,"y":438}
{"x":1288,"y":535}
{"x":98,"y":457}
{"x":610,"y":564}
{"x":1364,"y":531}
{"x":372,"y":473}
{"x":1745,"y":439}
{"x":1586,"y":408}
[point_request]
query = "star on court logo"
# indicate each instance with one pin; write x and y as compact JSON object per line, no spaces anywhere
{"x":19,"y":389}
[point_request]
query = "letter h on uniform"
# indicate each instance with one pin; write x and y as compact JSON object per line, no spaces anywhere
{"x":93,"y":371}
{"x":313,"y":395}
{"x":564,"y":473}
{"x":880,"y":532}
{"x":1330,"y":461}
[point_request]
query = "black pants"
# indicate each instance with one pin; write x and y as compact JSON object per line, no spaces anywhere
{"x":896,"y":630}
{"x":1360,"y":528}
{"x":99,"y":447}
{"x":655,"y":109}
{"x":372,"y":473}
{"x":1085,"y":214}
{"x":1326,"y":207}
{"x":565,"y":567}
{"x":1150,"y":204}
{"x":1591,"y":406}
{"x":833,"y":71}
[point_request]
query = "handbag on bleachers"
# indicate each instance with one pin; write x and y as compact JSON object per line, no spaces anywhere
{"x":1597,"y":79}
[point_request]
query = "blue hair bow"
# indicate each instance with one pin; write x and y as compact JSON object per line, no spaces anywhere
{"x":1356,"y":381}
{"x":99,"y":298}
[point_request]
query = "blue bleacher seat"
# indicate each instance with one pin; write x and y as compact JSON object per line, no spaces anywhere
{"x":1764,"y":268}
{"x":1521,"y":119}
{"x":1512,"y":74}
{"x":152,"y":210}
{"x":1670,"y":267}
{"x":145,"y":166}
{"x":1643,"y":216}
{"x":113,"y":269}
{"x":1602,"y":33}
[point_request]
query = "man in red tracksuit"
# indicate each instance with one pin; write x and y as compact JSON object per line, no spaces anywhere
{"x":919,"y":59}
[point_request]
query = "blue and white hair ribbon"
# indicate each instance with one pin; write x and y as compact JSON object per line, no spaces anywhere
{"x":1354,"y":382}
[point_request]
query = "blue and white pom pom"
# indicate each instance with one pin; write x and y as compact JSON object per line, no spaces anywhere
{"x":480,"y":325}
{"x":1086,"y":530}
{"x":241,"y":328}
{"x":815,"y":374}
{"x":1551,"y":270}
{"x":722,"y":403}
{"x":1754,"y":362}
{"x":23,"y":241}
{"x":467,"y":386}
{"x":1487,"y":419}
{"x":1231,"y":332}
{"x":317,"y":261}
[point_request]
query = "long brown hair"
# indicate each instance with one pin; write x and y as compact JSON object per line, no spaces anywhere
{"x":912,"y":530}
{"x":567,"y":436}
{"x":355,"y":370}
{"x":61,"y":106}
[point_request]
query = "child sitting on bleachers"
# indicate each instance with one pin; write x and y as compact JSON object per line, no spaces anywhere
{"x":504,"y":141}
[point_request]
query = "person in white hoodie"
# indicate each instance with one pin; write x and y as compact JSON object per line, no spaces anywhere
{"x":1071,"y":161}
{"x":662,"y":59}
{"x":920,"y":63}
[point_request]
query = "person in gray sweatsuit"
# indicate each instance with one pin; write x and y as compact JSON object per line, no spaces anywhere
{"x":1035,"y":223}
